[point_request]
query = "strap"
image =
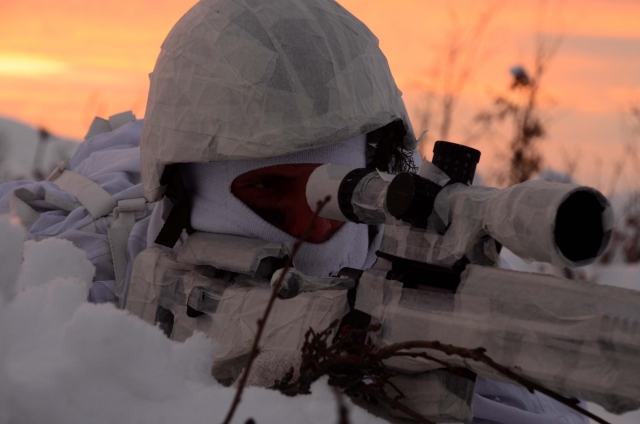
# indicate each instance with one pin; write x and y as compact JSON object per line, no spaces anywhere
{"x":180,"y":215}
{"x":90,"y":195}
{"x":60,"y":202}
{"x":179,"y":219}
{"x":124,"y":218}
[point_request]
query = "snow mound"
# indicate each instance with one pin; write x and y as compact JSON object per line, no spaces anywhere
{"x":12,"y":235}
{"x":63,"y":360}
{"x":30,"y":153}
{"x":53,"y":258}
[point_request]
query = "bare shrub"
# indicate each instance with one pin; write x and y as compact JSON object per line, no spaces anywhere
{"x":520,"y":108}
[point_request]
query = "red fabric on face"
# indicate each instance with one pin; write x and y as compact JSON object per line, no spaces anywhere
{"x":278,"y":194}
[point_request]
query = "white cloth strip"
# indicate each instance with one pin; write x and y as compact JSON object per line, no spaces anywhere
{"x":124,"y":218}
{"x":93,"y":197}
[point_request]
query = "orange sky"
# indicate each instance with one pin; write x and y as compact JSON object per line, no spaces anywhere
{"x":61,"y":63}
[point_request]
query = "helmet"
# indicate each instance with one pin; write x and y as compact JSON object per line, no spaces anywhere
{"x":247,"y":79}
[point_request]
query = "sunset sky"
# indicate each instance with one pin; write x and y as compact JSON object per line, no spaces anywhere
{"x":62,"y":63}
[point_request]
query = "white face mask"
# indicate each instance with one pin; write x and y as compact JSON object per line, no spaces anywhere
{"x":214,"y":209}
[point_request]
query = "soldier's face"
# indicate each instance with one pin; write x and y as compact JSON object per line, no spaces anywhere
{"x":278,"y":195}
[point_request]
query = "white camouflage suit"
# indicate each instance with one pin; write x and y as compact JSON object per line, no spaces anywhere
{"x":253,"y":83}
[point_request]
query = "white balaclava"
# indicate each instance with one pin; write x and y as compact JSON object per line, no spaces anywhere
{"x":215,"y":209}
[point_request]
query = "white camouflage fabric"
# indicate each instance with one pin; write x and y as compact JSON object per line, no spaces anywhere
{"x":228,"y":306}
{"x":250,"y":79}
{"x":110,"y":159}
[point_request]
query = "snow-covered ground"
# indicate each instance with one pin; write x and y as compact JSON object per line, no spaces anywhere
{"x":63,"y":360}
{"x":18,"y":147}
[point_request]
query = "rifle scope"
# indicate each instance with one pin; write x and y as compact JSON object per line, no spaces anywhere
{"x":563,"y":224}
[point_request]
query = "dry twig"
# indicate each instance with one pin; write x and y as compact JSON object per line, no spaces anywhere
{"x":478,"y":355}
{"x":357,"y":367}
{"x":351,"y":364}
{"x":262,"y":321}
{"x":343,"y":411}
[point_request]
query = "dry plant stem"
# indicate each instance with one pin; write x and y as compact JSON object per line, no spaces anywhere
{"x":343,"y":411}
{"x":479,"y":355}
{"x":464,"y":55}
{"x":346,"y":369}
{"x":253,"y":353}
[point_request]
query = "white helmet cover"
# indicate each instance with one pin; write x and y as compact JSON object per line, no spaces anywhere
{"x":244,"y":79}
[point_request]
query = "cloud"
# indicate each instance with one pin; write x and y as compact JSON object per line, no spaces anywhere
{"x":29,"y":66}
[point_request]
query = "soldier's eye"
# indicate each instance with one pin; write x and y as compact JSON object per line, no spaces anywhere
{"x":266,"y":184}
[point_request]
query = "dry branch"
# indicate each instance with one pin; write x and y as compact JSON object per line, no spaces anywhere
{"x":253,"y":353}
{"x":478,"y":355}
{"x":356,"y":366}
{"x":343,"y":411}
{"x":351,"y":364}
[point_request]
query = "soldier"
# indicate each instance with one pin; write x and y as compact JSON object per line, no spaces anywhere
{"x":247,"y":98}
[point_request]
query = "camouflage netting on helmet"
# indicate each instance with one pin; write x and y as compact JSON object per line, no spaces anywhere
{"x":253,"y":79}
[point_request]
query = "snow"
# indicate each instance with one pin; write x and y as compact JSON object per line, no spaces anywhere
{"x":64,"y":360}
{"x":18,"y":146}
{"x":12,"y":235}
{"x":42,"y":261}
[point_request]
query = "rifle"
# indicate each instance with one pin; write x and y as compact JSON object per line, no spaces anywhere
{"x":436,"y":277}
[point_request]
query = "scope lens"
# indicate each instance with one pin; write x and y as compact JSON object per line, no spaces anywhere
{"x":579,"y":231}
